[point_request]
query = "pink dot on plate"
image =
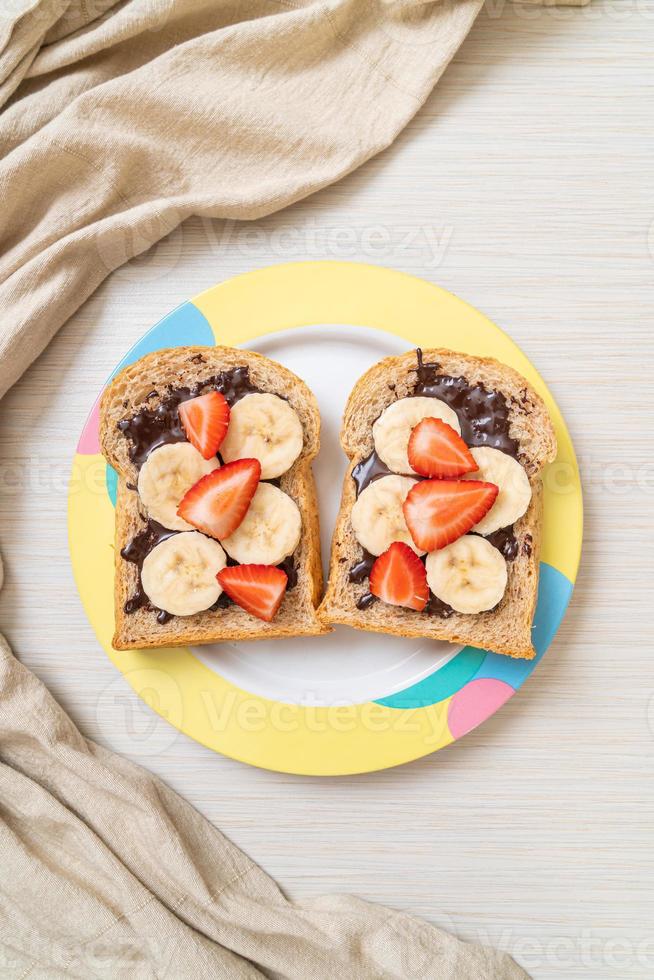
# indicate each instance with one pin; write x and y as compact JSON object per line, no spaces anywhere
{"x":476,"y":702}
{"x":89,"y":444}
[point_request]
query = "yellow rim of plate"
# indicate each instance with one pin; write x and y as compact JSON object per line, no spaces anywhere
{"x":273,"y":735}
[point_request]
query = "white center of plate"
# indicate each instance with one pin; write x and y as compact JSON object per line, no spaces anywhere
{"x":347,"y":666}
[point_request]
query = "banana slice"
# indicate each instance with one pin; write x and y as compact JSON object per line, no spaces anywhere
{"x":269,"y":531}
{"x":264,"y":427}
{"x":166,"y":475}
{"x":377,"y":517}
{"x":392,"y":429}
{"x":469,"y":574}
{"x":515,"y":490}
{"x":179,"y":575}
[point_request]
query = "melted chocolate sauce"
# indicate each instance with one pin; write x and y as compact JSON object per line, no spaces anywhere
{"x":138,"y":601}
{"x":136,"y":552}
{"x":288,"y":566}
{"x":436,"y":607}
{"x":151,"y":428}
{"x":483,"y":415}
{"x":140,"y":546}
{"x":484,"y":419}
{"x":505,"y":541}
{"x":153,"y":534}
{"x":368,"y":470}
{"x":361,"y":571}
{"x":222,"y":602}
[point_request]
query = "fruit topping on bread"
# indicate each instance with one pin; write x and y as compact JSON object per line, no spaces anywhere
{"x":205,"y":420}
{"x":399,"y":578}
{"x":514,"y":494}
{"x":378,"y":514}
{"x":436,"y":449}
{"x":469,"y":575}
{"x":437,"y":512}
{"x":270,"y":530}
{"x":266,"y":427}
{"x":440,"y":522}
{"x":179,"y":574}
{"x":218,"y":502}
{"x":392,"y":430}
{"x":256,"y":522}
{"x":259,"y":589}
{"x":206,"y":548}
{"x":166,"y":476}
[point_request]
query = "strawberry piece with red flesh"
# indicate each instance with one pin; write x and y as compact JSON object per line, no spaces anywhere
{"x":437,"y":450}
{"x":218,"y":502}
{"x":259,"y":589}
{"x":399,"y":578}
{"x":205,"y":420}
{"x":437,"y":512}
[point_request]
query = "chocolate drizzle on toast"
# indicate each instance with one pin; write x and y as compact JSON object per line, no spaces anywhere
{"x":154,"y":427}
{"x":136,"y":552}
{"x":368,"y":470}
{"x":436,"y":607}
{"x":484,"y":419}
{"x":483,"y":415}
{"x":140,"y":547}
{"x":505,"y":541}
{"x":361,"y":571}
{"x":151,"y":428}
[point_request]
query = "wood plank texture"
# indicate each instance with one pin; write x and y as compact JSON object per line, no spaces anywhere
{"x":525,"y":186}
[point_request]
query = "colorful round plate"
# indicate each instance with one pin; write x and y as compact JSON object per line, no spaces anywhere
{"x":349,"y":702}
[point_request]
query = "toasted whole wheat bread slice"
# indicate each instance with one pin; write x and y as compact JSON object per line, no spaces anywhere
{"x":179,"y":367}
{"x":505,"y":629}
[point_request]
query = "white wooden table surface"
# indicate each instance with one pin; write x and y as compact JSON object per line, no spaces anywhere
{"x":526,"y":186}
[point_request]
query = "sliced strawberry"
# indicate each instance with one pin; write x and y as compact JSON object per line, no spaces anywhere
{"x":205,"y":420}
{"x":259,"y":589}
{"x":437,"y":512}
{"x":218,"y":502}
{"x":399,"y":578}
{"x":436,"y":449}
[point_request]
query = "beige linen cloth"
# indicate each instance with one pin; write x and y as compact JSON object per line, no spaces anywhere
{"x":119,"y":120}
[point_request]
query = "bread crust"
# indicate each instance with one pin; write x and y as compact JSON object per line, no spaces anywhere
{"x":175,"y":367}
{"x":505,"y":629}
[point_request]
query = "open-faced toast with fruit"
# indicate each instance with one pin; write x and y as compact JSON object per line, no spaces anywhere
{"x":217,"y":532}
{"x":439,"y":529}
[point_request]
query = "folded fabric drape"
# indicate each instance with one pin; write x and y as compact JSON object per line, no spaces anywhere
{"x":123,"y":118}
{"x":107,"y":873}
